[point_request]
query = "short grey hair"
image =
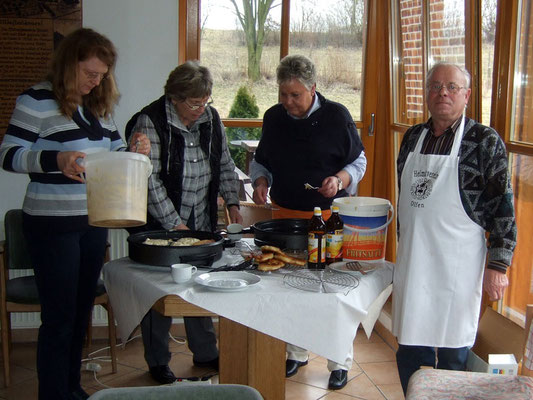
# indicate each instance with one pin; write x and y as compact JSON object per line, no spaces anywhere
{"x":189,"y":80}
{"x":296,"y":67}
{"x":461,"y":69}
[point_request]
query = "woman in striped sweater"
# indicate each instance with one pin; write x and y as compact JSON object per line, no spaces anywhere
{"x":55,"y":123}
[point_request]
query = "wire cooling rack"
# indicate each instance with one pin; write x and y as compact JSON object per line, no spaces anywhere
{"x":321,"y":281}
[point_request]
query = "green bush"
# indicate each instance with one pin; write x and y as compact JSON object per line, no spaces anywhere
{"x":244,"y":106}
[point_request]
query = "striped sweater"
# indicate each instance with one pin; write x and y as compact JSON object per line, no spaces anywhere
{"x":36,"y":133}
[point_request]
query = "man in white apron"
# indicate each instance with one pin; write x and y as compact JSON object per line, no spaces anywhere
{"x":454,"y":187}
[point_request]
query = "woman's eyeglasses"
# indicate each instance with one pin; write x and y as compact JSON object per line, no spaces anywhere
{"x":194,"y":107}
{"x":450,"y":87}
{"x":92,"y":76}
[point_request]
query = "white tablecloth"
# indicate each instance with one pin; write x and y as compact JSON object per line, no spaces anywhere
{"x":324,"y":323}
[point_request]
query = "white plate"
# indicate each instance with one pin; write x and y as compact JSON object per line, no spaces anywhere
{"x":230,"y":281}
{"x":368,"y":267}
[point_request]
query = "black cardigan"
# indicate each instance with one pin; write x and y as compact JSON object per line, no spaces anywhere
{"x":299,"y":151}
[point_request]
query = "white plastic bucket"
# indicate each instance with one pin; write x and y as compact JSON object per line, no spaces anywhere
{"x":365,"y":227}
{"x":117,"y":188}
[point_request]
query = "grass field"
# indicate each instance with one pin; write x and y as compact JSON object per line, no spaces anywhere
{"x":339,"y":72}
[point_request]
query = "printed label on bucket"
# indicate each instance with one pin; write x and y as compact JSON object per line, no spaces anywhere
{"x":364,"y":246}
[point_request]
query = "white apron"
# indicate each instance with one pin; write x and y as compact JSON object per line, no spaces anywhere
{"x":441,"y":254}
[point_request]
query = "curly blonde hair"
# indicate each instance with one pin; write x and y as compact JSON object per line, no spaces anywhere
{"x":81,"y":45}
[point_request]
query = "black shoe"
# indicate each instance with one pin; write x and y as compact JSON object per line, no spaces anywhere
{"x":79,"y":394}
{"x":162,"y":374}
{"x":338,"y":379}
{"x":213,"y":364}
{"x":291,"y":367}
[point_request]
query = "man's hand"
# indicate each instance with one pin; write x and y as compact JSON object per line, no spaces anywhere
{"x":494,"y":283}
{"x":260,"y":191}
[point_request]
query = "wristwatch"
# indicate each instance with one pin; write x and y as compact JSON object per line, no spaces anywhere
{"x":339,"y":183}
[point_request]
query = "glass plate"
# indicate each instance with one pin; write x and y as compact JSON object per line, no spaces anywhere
{"x":227,"y":281}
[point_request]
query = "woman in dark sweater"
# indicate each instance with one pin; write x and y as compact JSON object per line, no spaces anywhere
{"x":306,"y":139}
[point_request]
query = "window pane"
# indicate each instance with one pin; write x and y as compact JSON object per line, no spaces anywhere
{"x":488,"y":28}
{"x":520,"y":291}
{"x":522,"y":125}
{"x":408,"y":63}
{"x":447,"y":31}
{"x":224,"y":51}
{"x":331,"y":34}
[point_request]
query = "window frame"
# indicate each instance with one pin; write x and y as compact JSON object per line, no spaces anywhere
{"x":189,"y":46}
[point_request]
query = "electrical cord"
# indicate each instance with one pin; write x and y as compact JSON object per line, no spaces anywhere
{"x":179,"y":340}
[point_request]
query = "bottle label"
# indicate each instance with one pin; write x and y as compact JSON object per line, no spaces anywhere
{"x":313,"y":244}
{"x":334,"y":244}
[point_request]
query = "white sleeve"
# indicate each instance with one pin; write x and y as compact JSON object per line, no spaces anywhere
{"x":356,"y":170}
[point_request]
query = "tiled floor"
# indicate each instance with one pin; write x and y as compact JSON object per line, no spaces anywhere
{"x":373,"y":375}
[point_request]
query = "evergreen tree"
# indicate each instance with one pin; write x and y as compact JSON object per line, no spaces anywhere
{"x":244,"y":106}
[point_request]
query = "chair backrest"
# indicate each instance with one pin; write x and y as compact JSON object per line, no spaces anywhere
{"x":18,"y":255}
{"x":180,"y":391}
{"x":527,"y":362}
{"x":252,"y":213}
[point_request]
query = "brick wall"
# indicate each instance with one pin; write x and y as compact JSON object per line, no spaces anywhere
{"x":446,"y":42}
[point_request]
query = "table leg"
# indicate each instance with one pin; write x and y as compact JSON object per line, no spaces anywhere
{"x":249,"y":357}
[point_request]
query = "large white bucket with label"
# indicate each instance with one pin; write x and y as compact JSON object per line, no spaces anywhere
{"x":117,"y":188}
{"x":365,"y":227}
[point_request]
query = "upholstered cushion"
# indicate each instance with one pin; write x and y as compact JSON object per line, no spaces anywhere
{"x":24,"y":290}
{"x":178,"y":391}
{"x":439,"y":384}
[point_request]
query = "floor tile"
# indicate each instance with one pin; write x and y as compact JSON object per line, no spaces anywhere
{"x":362,"y":387}
{"x":299,"y":391}
{"x":372,"y":377}
{"x":392,"y":392}
{"x":373,"y":352}
{"x":381,"y":373}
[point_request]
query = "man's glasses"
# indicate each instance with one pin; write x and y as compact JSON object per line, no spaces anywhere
{"x":194,"y":107}
{"x":92,"y":76}
{"x":450,"y":87}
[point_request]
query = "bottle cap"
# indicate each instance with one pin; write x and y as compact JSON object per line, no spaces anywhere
{"x":317,"y":211}
{"x":335,"y":209}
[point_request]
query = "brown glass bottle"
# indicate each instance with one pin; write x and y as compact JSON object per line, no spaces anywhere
{"x":334,"y":237}
{"x":316,"y":258}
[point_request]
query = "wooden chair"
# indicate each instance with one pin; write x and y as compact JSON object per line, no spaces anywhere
{"x":527,"y":362}
{"x":20,"y":294}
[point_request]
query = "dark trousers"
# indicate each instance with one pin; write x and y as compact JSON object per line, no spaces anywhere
{"x":201,"y":338}
{"x":411,"y":358}
{"x":67,"y":267}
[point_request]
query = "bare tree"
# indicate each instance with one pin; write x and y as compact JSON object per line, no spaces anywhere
{"x":252,"y":17}
{"x":488,"y":22}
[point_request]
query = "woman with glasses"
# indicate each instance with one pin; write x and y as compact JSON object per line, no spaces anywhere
{"x":192,"y":166}
{"x":306,"y":140}
{"x":55,"y":123}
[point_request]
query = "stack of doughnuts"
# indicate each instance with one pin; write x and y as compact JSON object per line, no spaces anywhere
{"x":272,"y":258}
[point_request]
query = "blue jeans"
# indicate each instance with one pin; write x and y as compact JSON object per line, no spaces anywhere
{"x":67,"y":266}
{"x":411,"y":358}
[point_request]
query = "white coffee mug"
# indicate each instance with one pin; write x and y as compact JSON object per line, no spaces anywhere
{"x":234,"y":232}
{"x":182,"y":272}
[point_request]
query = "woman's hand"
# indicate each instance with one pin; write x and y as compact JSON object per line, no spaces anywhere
{"x":67,"y":164}
{"x":234,"y":214}
{"x":260,"y":190}
{"x":140,"y":144}
{"x":180,"y":227}
{"x":329,"y":187}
